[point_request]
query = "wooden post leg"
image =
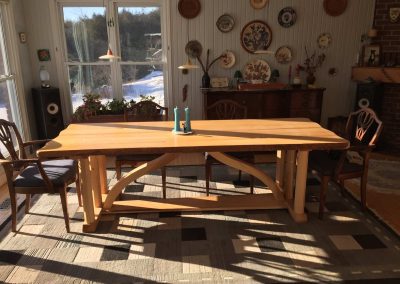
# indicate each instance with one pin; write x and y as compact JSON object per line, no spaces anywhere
{"x":290,"y":169}
{"x":280,"y":168}
{"x":86,"y":189}
{"x":103,"y":174}
{"x":300,"y":193}
{"x":95,"y":180}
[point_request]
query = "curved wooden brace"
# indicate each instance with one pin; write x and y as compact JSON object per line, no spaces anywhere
{"x":135,"y":174}
{"x":250,"y":169}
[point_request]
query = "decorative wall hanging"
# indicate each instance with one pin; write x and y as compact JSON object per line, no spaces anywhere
{"x":189,"y":9}
{"x":283,"y":55}
{"x":371,"y":55}
{"x":258,"y":4}
{"x":43,"y":54}
{"x":324,"y":40}
{"x":394,"y":14}
{"x":193,"y":49}
{"x":227,"y":60}
{"x":332,"y":71}
{"x":335,"y":8}
{"x":225,"y":23}
{"x":257,"y":71}
{"x":256,"y":36}
{"x":287,"y":17}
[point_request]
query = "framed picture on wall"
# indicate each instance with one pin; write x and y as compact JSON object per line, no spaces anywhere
{"x":43,"y":54}
{"x":371,"y":55}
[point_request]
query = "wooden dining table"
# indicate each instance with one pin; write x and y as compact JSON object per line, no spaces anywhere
{"x":291,"y":138}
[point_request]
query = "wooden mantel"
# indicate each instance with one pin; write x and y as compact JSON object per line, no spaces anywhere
{"x":389,"y":75}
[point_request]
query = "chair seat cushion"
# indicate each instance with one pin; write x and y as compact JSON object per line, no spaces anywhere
{"x":58,"y":171}
{"x":325,"y":163}
{"x":137,"y":157}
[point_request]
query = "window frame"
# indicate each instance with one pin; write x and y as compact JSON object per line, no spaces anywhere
{"x":62,"y":63}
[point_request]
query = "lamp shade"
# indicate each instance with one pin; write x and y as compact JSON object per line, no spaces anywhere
{"x":188,"y":65}
{"x":44,"y":74}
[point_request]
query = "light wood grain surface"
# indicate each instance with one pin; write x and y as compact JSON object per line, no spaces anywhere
{"x":217,"y":136}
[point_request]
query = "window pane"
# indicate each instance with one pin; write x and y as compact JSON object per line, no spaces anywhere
{"x":140,"y":33}
{"x":85,"y":33}
{"x":145,"y":80}
{"x":5,"y":106}
{"x":94,"y":79}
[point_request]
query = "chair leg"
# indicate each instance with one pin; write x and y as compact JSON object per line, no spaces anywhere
{"x":164,"y":181}
{"x":27,"y":203}
{"x":13,"y":200}
{"x":208,"y":176}
{"x":78,"y":188}
{"x":251,"y":184}
{"x":63,"y":195}
{"x":342,"y":189}
{"x":324,"y":189}
{"x":240,"y":175}
{"x":118,"y":169}
{"x":363,"y":191}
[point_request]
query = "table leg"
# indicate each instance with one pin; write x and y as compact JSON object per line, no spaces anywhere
{"x":86,"y":189}
{"x":290,"y":168}
{"x":300,"y":193}
{"x":280,"y":167}
{"x":95,"y":180}
{"x":103,"y":174}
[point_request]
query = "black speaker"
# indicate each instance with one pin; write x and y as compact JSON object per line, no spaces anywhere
{"x":47,"y":107}
{"x":369,"y":95}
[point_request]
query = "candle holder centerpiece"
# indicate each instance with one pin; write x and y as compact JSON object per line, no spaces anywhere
{"x":186,"y":128}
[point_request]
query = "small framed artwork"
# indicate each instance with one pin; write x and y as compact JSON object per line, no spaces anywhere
{"x":394,"y":14}
{"x":43,"y":54}
{"x":371,"y":55}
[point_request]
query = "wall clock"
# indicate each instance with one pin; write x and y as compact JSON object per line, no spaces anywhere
{"x":324,"y":40}
{"x":256,"y":36}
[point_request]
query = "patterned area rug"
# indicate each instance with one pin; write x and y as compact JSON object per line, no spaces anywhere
{"x":261,"y":246}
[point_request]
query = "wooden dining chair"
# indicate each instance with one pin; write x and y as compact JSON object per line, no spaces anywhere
{"x":227,"y":109}
{"x":362,"y":130}
{"x":143,"y":111}
{"x":31,"y":175}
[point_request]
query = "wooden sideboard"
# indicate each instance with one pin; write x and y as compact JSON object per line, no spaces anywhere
{"x":271,"y":103}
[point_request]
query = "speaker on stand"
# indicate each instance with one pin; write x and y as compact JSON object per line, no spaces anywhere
{"x":369,"y":95}
{"x":47,"y":107}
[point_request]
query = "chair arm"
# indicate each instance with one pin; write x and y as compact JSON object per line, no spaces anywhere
{"x":35,"y":142}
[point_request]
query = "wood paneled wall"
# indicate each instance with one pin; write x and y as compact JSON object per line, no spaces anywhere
{"x":346,"y":31}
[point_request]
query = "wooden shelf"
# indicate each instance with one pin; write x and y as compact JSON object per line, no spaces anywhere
{"x":383,"y":74}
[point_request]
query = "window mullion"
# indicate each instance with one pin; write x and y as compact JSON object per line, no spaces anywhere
{"x":112,"y":22}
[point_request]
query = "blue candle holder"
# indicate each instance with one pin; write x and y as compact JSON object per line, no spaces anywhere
{"x":187,"y":120}
{"x":177,"y":127}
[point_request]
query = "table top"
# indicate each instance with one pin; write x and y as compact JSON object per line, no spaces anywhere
{"x":119,"y":138}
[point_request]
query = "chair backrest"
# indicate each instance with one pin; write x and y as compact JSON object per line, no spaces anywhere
{"x":363,"y":127}
{"x":9,"y":134}
{"x":146,"y":111}
{"x":226,"y":109}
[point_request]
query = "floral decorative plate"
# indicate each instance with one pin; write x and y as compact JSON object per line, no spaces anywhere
{"x":283,"y":55}
{"x":287,"y":17}
{"x":193,"y":49}
{"x":256,"y":36}
{"x":227,"y":60}
{"x":257,"y":70}
{"x":225,"y":23}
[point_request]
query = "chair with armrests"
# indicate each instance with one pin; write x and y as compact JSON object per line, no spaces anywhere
{"x":143,"y":111}
{"x":33,"y":176}
{"x":227,"y":109}
{"x":362,"y":130}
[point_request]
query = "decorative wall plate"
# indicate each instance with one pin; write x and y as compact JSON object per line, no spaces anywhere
{"x":189,"y":9}
{"x":257,"y":70}
{"x":283,"y":55}
{"x":258,"y":4}
{"x":287,"y":17}
{"x":193,"y":49}
{"x":256,"y":36}
{"x":335,"y":8}
{"x":228,"y":61}
{"x":324,"y":40}
{"x":225,"y":23}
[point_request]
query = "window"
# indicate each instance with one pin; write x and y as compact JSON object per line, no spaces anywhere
{"x":133,"y":30}
{"x":9,"y":108}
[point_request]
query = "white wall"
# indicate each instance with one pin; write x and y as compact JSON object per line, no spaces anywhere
{"x":346,"y":31}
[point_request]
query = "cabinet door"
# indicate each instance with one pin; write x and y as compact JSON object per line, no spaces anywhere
{"x":275,"y":105}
